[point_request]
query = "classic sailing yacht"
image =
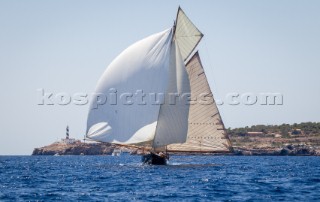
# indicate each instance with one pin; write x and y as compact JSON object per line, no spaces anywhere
{"x":153,"y":96}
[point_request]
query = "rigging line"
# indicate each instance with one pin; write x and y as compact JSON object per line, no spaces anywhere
{"x":213,"y":88}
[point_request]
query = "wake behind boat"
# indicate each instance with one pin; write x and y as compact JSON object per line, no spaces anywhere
{"x":150,"y":86}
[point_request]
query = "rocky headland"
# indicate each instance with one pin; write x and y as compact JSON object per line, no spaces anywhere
{"x":77,"y":148}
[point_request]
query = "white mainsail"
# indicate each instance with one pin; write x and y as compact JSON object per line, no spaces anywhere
{"x":206,"y":130}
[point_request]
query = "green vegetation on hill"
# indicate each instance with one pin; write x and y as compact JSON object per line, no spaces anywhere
{"x":307,"y":128}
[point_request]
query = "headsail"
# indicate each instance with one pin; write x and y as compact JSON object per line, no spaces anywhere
{"x":173,"y":116}
{"x":206,"y":131}
{"x":187,"y":34}
{"x":124,"y":119}
{"x":154,"y":66}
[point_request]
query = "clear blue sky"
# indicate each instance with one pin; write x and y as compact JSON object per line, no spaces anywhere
{"x":64,"y":46}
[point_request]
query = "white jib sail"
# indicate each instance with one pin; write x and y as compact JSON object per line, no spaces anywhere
{"x":124,"y":117}
{"x":173,"y":118}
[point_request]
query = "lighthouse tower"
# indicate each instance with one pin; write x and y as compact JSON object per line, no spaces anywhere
{"x":67,"y":133}
{"x":68,"y":140}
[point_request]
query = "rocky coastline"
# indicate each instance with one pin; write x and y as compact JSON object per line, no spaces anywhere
{"x":260,"y":140}
{"x":287,"y":150}
{"x":80,"y":148}
{"x":77,"y":148}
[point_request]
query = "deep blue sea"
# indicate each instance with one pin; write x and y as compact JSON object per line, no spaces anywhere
{"x":187,"y":178}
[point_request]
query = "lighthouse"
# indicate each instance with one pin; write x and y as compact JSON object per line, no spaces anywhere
{"x":69,"y":140}
{"x":67,"y":133}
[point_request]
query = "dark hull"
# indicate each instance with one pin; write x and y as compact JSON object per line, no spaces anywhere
{"x":153,"y":159}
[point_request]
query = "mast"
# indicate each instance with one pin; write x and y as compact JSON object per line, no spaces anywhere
{"x":172,"y":124}
{"x":173,"y":115}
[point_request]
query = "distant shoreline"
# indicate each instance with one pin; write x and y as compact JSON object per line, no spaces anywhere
{"x":107,"y":149}
{"x":259,"y":140}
